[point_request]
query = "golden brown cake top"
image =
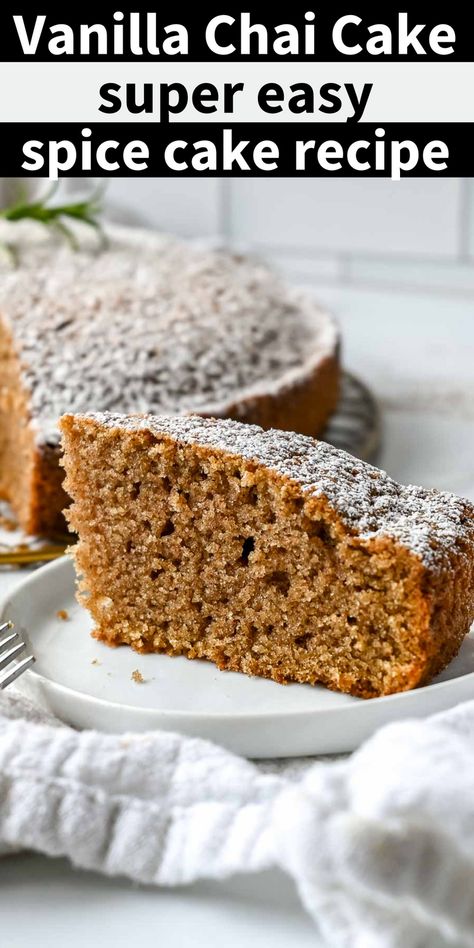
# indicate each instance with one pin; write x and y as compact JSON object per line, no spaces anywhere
{"x":165,"y":327}
{"x":434,"y":525}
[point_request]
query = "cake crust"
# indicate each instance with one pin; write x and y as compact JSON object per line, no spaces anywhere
{"x":266,"y":552}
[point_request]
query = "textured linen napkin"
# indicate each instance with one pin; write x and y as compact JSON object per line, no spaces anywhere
{"x":380,"y":845}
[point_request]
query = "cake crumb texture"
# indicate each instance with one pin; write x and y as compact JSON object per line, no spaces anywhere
{"x":265,"y":552}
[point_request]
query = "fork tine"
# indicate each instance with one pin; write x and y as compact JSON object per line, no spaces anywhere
{"x":5,"y":627}
{"x":16,"y":671}
{"x":13,"y":653}
{"x":10,"y":639}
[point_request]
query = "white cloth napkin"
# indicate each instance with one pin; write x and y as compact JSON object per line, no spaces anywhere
{"x":380,"y":845}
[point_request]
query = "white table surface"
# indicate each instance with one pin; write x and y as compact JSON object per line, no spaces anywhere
{"x":416,"y":350}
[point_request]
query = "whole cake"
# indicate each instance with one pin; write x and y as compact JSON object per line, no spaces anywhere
{"x":159,"y":326}
{"x":266,"y":552}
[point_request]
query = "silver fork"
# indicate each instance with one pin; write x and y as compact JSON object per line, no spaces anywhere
{"x":11,"y":646}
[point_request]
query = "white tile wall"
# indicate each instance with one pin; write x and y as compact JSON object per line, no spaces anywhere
{"x":305,"y":267}
{"x":348,"y":215}
{"x":468,"y":220}
{"x":438,"y":275}
{"x":413,"y":233}
{"x":181,"y":205}
{"x":426,"y":341}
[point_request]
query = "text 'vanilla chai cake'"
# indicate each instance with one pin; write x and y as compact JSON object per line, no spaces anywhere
{"x":186,"y":330}
{"x":266,"y":552}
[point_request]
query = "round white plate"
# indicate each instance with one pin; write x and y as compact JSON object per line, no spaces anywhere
{"x":88,"y":684}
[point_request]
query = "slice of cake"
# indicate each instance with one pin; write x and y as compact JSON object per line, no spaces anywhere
{"x":190,"y":331}
{"x":265,"y":552}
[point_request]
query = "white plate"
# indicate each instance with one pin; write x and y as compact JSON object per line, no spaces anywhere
{"x":88,"y":684}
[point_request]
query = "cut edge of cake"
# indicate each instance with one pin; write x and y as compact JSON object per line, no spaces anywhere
{"x":31,"y":477}
{"x":287,"y":558}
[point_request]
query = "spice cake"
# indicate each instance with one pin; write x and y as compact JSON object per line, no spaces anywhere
{"x":266,"y":552}
{"x":186,"y":330}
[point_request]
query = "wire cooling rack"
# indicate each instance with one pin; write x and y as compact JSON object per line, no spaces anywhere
{"x":356,"y":424}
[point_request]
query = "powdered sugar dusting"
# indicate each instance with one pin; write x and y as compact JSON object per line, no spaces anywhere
{"x":155,"y":325}
{"x":431,"y":523}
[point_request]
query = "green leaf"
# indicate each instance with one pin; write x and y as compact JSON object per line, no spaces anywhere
{"x":55,"y":216}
